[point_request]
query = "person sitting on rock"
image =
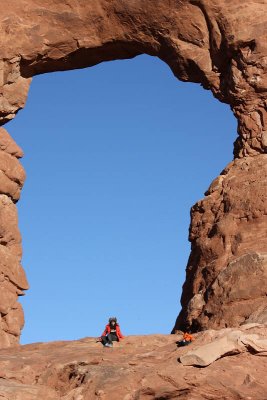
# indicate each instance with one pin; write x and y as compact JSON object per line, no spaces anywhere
{"x":187,"y":339}
{"x":112,"y":333}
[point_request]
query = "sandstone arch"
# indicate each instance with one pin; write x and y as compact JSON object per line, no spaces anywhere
{"x":221,"y":45}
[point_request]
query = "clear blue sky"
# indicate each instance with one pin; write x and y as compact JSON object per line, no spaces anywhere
{"x":115,"y":157}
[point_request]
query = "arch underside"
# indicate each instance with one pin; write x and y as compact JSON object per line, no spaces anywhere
{"x":220,"y":45}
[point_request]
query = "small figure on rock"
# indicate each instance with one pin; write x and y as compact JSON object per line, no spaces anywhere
{"x":112,"y":333}
{"x":187,"y":339}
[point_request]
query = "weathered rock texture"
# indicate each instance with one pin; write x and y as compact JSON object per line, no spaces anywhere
{"x":12,"y":276}
{"x":140,"y":368}
{"x":227,"y":269}
{"x":220,"y":44}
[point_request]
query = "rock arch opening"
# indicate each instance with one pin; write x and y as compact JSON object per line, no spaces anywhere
{"x":106,"y":203}
{"x":202,"y":43}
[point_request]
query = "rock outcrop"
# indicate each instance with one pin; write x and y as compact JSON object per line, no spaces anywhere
{"x":227,"y":269}
{"x":12,"y":276}
{"x":220,"y":44}
{"x":140,"y":368}
{"x":225,"y":342}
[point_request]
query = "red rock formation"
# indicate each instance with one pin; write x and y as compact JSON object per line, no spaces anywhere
{"x":12,"y":275}
{"x":227,"y":269}
{"x":140,"y":368}
{"x":220,"y":44}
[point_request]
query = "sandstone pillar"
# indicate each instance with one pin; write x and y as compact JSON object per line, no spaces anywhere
{"x":227,"y":269}
{"x":12,"y":276}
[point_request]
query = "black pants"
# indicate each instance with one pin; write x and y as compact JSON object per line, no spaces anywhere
{"x":182,"y":343}
{"x":111,"y":337}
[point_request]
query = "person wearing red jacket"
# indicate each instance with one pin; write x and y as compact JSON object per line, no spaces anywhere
{"x":112,"y":333}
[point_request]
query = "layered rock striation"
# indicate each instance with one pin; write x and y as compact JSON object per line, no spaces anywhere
{"x":219,"y":44}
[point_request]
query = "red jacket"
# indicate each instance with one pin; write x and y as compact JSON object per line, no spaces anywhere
{"x":118,"y":331}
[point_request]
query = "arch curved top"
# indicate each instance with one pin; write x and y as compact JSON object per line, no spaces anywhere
{"x":219,"y":44}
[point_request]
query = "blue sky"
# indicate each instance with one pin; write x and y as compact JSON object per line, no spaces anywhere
{"x":115,"y":157}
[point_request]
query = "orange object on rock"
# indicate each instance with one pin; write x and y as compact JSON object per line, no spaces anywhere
{"x":188,"y":337}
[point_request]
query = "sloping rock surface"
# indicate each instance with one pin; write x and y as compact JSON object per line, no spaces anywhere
{"x":137,"y":368}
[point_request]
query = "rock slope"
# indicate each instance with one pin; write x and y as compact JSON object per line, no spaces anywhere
{"x":233,"y":367}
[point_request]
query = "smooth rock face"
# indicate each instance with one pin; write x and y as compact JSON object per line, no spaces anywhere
{"x":220,"y":44}
{"x":140,"y":368}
